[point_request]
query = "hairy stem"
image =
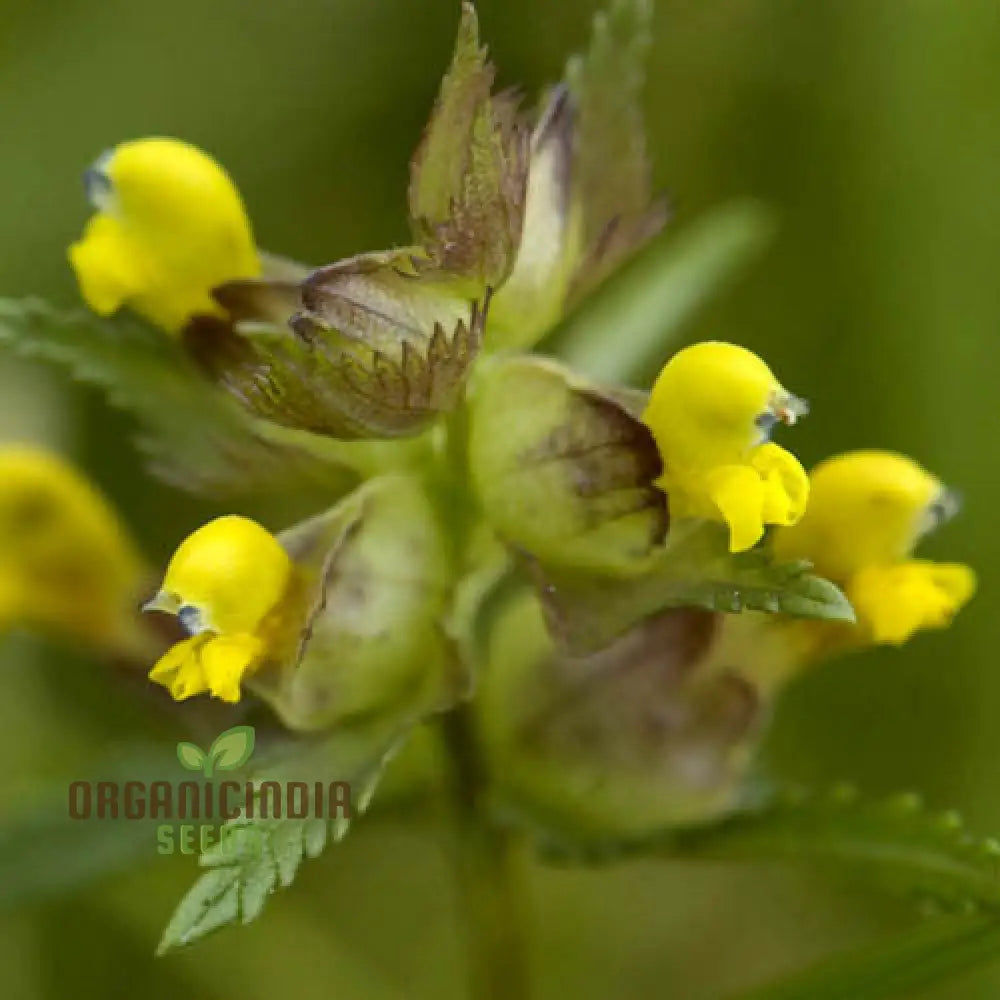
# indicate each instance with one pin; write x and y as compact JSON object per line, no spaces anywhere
{"x":486,"y":868}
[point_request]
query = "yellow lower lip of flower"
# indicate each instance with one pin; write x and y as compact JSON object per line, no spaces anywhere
{"x":209,"y":663}
{"x":894,"y":602}
{"x":771,"y":488}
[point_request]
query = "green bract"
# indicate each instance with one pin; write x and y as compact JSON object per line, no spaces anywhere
{"x":379,"y":556}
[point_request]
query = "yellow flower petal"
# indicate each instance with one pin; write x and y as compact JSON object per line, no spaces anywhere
{"x":708,"y":411}
{"x":738,"y":493}
{"x":894,"y":602}
{"x":704,"y":405}
{"x":786,"y":485}
{"x":66,"y":561}
{"x":180,"y":670}
{"x":226,"y":659}
{"x":866,"y":508}
{"x":106,"y":267}
{"x":208,"y":663}
{"x":170,"y":227}
{"x":233,"y":571}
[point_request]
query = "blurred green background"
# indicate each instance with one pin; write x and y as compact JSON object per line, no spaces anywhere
{"x":871,"y":126}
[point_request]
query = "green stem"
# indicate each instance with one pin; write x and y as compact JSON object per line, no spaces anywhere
{"x":486,"y":869}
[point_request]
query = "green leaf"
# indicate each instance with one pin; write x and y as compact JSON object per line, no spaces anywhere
{"x":381,"y":346}
{"x":380,"y":556}
{"x":212,"y":903}
{"x":563,"y":470}
{"x":693,"y":569}
{"x":191,"y":756}
{"x":195,"y":437}
{"x":468,"y":175}
{"x":256,"y":856}
{"x":899,"y":966}
{"x":894,"y":843}
{"x":44,"y":852}
{"x":611,"y":172}
{"x":232,"y":748}
{"x":625,"y":334}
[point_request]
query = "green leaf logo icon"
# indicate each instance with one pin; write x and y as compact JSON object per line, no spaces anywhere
{"x":230,"y":749}
{"x":191,"y":756}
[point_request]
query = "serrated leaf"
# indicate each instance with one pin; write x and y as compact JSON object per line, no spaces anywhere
{"x":380,"y":346}
{"x":45,"y":852}
{"x":195,"y":437}
{"x":563,"y":470}
{"x":212,"y":903}
{"x":693,"y":569}
{"x":468,"y":175}
{"x":894,"y":843}
{"x":611,"y":172}
{"x":626,"y":331}
{"x":232,"y":748}
{"x":256,"y":856}
{"x":191,"y":756}
{"x":381,"y":556}
{"x":288,"y":847}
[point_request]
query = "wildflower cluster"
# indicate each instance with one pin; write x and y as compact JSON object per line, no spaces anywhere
{"x":573,"y":556}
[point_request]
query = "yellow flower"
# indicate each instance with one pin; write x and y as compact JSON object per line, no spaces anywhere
{"x":867,"y":511}
{"x":711,"y":412}
{"x":226,"y":583}
{"x":66,"y":561}
{"x":170,"y":226}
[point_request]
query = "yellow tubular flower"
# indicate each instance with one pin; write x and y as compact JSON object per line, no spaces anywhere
{"x":711,"y":412}
{"x":867,"y":511}
{"x":170,"y":226}
{"x":66,"y":561}
{"x":226,"y":584}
